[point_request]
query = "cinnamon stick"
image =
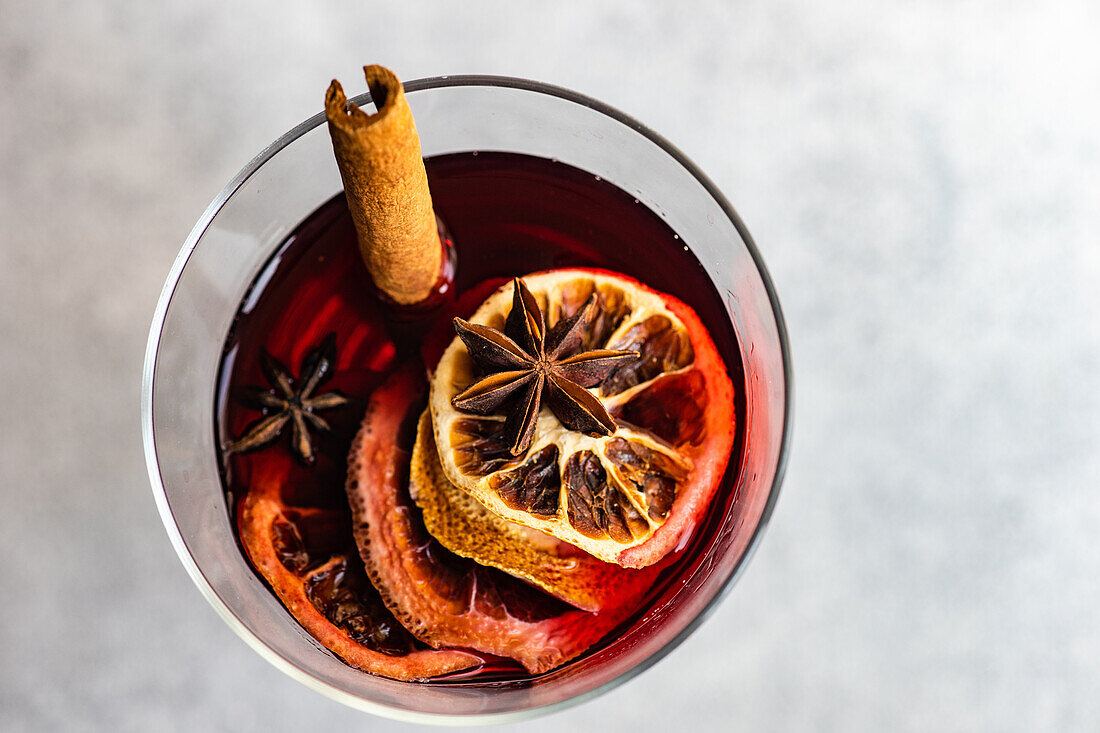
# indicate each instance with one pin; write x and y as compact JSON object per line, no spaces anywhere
{"x":386,"y":187}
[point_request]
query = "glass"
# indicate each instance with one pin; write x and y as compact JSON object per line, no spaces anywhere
{"x":282,"y":186}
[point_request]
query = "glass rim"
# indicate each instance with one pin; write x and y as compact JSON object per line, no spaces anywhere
{"x":160,"y":492}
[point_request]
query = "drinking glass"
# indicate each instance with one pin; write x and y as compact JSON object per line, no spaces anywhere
{"x":252,"y":216}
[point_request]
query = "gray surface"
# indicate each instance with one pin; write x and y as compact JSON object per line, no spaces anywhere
{"x":923,"y":181}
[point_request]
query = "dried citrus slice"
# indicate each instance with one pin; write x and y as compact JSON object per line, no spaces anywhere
{"x":465,"y":527}
{"x":625,"y":493}
{"x":443,"y":599}
{"x":325,"y":588}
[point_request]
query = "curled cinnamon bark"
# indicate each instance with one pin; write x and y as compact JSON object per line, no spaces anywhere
{"x":386,"y":187}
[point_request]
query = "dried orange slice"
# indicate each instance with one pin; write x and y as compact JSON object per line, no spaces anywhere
{"x":443,"y":599}
{"x":465,"y":527}
{"x":625,"y":495}
{"x":325,"y":588}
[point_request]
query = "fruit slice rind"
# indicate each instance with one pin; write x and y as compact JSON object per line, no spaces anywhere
{"x":683,"y":346}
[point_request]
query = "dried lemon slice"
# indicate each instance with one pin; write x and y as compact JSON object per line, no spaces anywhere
{"x":627,"y":494}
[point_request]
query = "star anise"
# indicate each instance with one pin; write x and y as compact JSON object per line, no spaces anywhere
{"x":526,"y":366}
{"x":290,"y":401}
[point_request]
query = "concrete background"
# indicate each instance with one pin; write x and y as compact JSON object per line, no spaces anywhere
{"x":923,"y":179}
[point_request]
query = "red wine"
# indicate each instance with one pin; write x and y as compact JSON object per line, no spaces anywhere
{"x":508,"y":215}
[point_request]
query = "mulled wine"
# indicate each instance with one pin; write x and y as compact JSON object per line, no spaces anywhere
{"x":312,"y":343}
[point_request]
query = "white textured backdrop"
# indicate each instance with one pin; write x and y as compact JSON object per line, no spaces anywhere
{"x":923,"y":179}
